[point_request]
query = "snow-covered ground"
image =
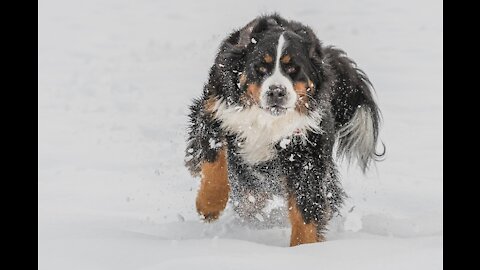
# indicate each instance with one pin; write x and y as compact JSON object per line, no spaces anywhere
{"x":115,"y":80}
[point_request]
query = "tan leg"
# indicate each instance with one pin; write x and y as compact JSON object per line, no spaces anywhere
{"x":302,"y":233}
{"x":214,"y":188}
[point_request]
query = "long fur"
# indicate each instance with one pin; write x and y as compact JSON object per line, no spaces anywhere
{"x":356,"y":139}
{"x":258,"y":131}
{"x":357,"y":116}
{"x":298,"y":146}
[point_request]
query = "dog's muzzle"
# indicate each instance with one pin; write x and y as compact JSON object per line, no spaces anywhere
{"x":276,"y":98}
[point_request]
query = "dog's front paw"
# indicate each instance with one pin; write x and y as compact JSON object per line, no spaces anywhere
{"x":208,"y":211}
{"x":214,"y":189}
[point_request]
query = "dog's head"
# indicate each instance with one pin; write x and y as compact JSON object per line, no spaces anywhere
{"x":272,"y":64}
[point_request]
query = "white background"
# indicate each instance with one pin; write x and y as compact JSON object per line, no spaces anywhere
{"x":115,"y":81}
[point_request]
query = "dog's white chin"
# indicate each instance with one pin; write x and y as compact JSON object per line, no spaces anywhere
{"x":258,"y":129}
{"x":277,"y":110}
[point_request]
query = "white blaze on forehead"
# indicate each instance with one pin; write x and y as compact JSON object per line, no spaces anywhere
{"x":280,"y":46}
{"x":278,"y":78}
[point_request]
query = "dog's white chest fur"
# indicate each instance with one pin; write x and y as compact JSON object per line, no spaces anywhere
{"x":259,"y":131}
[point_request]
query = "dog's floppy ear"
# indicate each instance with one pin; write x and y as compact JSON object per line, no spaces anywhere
{"x":237,"y":42}
{"x":245,"y":34}
{"x":315,"y":54}
{"x":255,"y":27}
{"x":229,"y":62}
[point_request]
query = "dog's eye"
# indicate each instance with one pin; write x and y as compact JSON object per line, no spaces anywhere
{"x":262,"y":70}
{"x":291,"y":70}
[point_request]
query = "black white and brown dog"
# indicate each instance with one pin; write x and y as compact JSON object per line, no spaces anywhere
{"x":278,"y":109}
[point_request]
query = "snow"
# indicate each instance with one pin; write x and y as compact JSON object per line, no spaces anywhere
{"x":284,"y":142}
{"x":116,"y":78}
{"x":275,"y":202}
{"x":213,"y":144}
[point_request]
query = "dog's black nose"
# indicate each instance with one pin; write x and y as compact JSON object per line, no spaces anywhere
{"x":276,"y":94}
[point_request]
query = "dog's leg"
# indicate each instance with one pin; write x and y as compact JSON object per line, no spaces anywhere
{"x":214,"y":188}
{"x":302,"y":232}
{"x":315,"y":193}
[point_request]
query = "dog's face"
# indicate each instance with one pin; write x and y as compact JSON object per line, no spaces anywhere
{"x":267,"y":84}
{"x":278,"y":74}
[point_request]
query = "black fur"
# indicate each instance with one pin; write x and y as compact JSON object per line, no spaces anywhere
{"x":351,"y":88}
{"x":203,"y":129}
{"x":305,"y":171}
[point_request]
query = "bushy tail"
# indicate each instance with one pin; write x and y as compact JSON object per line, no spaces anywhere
{"x":357,"y":116}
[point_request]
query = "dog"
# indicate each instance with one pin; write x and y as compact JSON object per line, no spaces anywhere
{"x":278,"y":110}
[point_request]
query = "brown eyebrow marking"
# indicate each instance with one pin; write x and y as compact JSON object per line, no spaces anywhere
{"x":268,"y":58}
{"x":285,"y":59}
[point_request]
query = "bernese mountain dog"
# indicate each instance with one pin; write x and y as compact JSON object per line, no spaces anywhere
{"x":277,"y":111}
